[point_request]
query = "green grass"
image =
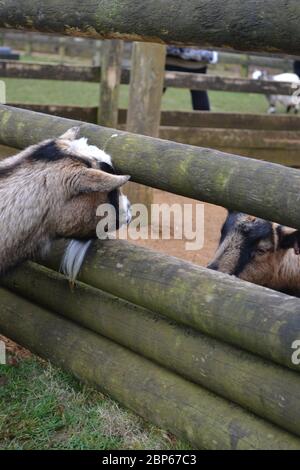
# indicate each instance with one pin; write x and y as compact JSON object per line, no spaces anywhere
{"x":87,"y":94}
{"x":42,"y":407}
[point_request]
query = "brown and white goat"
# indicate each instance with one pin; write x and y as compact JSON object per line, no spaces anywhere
{"x":259,"y":251}
{"x":53,"y":190}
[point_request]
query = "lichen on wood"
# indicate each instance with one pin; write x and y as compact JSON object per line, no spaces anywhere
{"x":250,"y":317}
{"x":259,"y":188}
{"x":263,"y":26}
{"x":269,"y":391}
{"x":158,"y":395}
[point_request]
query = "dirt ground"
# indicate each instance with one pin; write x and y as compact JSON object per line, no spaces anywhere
{"x":214,"y":217}
{"x":14,"y":352}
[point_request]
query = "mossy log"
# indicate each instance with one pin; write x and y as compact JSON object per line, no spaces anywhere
{"x":202,"y":119}
{"x":277,"y":150}
{"x":260,"y":320}
{"x":158,"y":395}
{"x":269,"y":391}
{"x":264,"y":26}
{"x":278,"y":153}
{"x":242,"y":184}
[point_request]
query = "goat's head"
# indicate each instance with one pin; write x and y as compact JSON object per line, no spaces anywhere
{"x":54,"y":189}
{"x":87,"y":180}
{"x":254,"y":249}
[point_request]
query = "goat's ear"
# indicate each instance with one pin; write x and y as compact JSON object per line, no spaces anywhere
{"x":96,"y":180}
{"x":71,"y":134}
{"x":290,"y":240}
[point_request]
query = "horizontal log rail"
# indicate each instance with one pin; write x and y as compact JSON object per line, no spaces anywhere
{"x":264,"y":25}
{"x":158,"y":395}
{"x":259,"y":320}
{"x":79,"y":113}
{"x":261,"y":61}
{"x":19,"y":39}
{"x":193,"y":81}
{"x":41,"y":71}
{"x":277,"y":146}
{"x":263,"y":189}
{"x":192,"y":119}
{"x":270,"y":391}
{"x":224,"y":120}
{"x":236,"y":138}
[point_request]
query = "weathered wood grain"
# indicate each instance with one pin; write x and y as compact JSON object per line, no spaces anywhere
{"x":263,"y":189}
{"x":162,"y":397}
{"x":270,"y":391}
{"x":260,"y":320}
{"x":264,"y":25}
{"x":111,"y":69}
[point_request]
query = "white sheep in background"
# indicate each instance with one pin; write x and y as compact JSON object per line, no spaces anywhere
{"x":289,"y":102}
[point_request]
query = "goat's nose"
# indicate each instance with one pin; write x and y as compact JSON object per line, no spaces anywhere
{"x":213,"y":266}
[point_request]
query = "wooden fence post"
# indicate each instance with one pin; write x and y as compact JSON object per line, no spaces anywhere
{"x":245,"y":67}
{"x":146,"y":87}
{"x":29,"y":45}
{"x":62,"y":50}
{"x":96,"y":59}
{"x":111,"y":67}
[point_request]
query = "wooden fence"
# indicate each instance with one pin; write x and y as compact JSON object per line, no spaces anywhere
{"x":199,"y":353}
{"x":251,"y":28}
{"x":83,"y":47}
{"x":199,"y":301}
{"x":274,"y":138}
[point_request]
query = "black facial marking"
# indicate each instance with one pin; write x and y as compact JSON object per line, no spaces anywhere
{"x":256,"y":231}
{"x":107,"y":168}
{"x":113,"y":196}
{"x":288,"y":240}
{"x":229,"y":225}
{"x":244,"y":258}
{"x":51,"y":152}
{"x":7,"y":170}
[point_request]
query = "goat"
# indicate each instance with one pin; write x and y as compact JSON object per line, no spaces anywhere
{"x":260,"y":252}
{"x":289,"y":102}
{"x":53,"y":190}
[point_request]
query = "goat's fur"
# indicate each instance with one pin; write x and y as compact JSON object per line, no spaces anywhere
{"x":52,"y":190}
{"x":291,"y":103}
{"x":259,"y":251}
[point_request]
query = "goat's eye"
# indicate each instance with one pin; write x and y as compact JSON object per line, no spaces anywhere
{"x":260,"y":251}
